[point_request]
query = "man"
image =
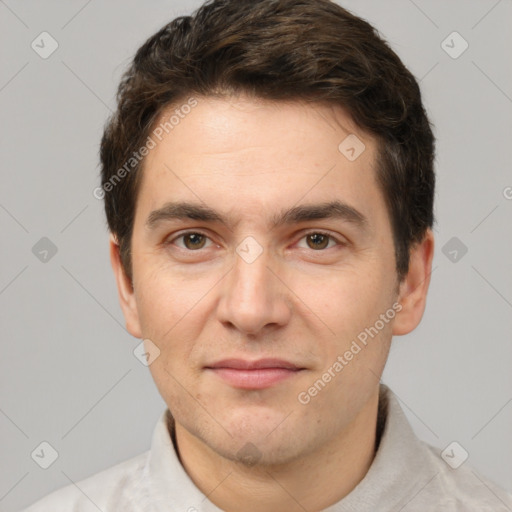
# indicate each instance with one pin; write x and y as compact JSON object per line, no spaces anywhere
{"x":268,"y":183}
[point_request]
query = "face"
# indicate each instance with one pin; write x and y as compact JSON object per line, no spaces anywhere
{"x":264,"y":272}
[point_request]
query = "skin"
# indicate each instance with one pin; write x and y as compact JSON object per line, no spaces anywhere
{"x":249,"y":159}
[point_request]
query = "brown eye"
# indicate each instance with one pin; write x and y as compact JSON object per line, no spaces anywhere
{"x":317,"y":241}
{"x":194,"y":241}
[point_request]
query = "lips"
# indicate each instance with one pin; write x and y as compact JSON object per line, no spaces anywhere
{"x":242,"y":364}
{"x":259,"y":374}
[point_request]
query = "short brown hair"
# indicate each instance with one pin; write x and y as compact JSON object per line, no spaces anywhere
{"x":311,"y":50}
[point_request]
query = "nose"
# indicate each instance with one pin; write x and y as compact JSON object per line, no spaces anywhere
{"x":254,"y":298}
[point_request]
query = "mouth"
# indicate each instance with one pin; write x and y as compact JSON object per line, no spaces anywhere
{"x":260,"y":374}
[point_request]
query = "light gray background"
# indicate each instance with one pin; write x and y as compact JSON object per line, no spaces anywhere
{"x":68,"y":374}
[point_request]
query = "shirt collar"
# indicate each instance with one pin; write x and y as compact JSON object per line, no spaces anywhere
{"x":398,"y":456}
{"x":170,"y":486}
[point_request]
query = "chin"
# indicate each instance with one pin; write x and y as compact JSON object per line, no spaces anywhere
{"x":262,"y":444}
{"x":262,"y":453}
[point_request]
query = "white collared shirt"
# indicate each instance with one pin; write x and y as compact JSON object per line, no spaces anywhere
{"x":406,"y":475}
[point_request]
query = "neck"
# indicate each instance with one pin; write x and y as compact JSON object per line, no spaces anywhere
{"x":313,"y":482}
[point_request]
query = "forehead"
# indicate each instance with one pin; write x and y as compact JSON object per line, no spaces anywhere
{"x":226,"y":120}
{"x":262,"y":153}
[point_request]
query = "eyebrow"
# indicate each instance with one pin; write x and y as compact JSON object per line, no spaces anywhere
{"x":295,"y":215}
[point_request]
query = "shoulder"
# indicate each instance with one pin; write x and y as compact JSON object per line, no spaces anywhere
{"x":114,"y":488}
{"x":461,"y":487}
{"x":426,"y":478}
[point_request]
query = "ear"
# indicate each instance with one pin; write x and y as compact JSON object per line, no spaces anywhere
{"x":125,"y":291}
{"x":414,"y":287}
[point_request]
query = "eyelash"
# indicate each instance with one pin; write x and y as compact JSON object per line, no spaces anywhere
{"x":313,"y":232}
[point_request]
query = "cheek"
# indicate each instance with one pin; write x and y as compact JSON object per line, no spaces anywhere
{"x":173,"y":309}
{"x":166,"y":297}
{"x":346,"y":301}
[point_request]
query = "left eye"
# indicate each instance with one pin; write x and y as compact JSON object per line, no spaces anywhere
{"x":192,"y":241}
{"x":318,"y":240}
